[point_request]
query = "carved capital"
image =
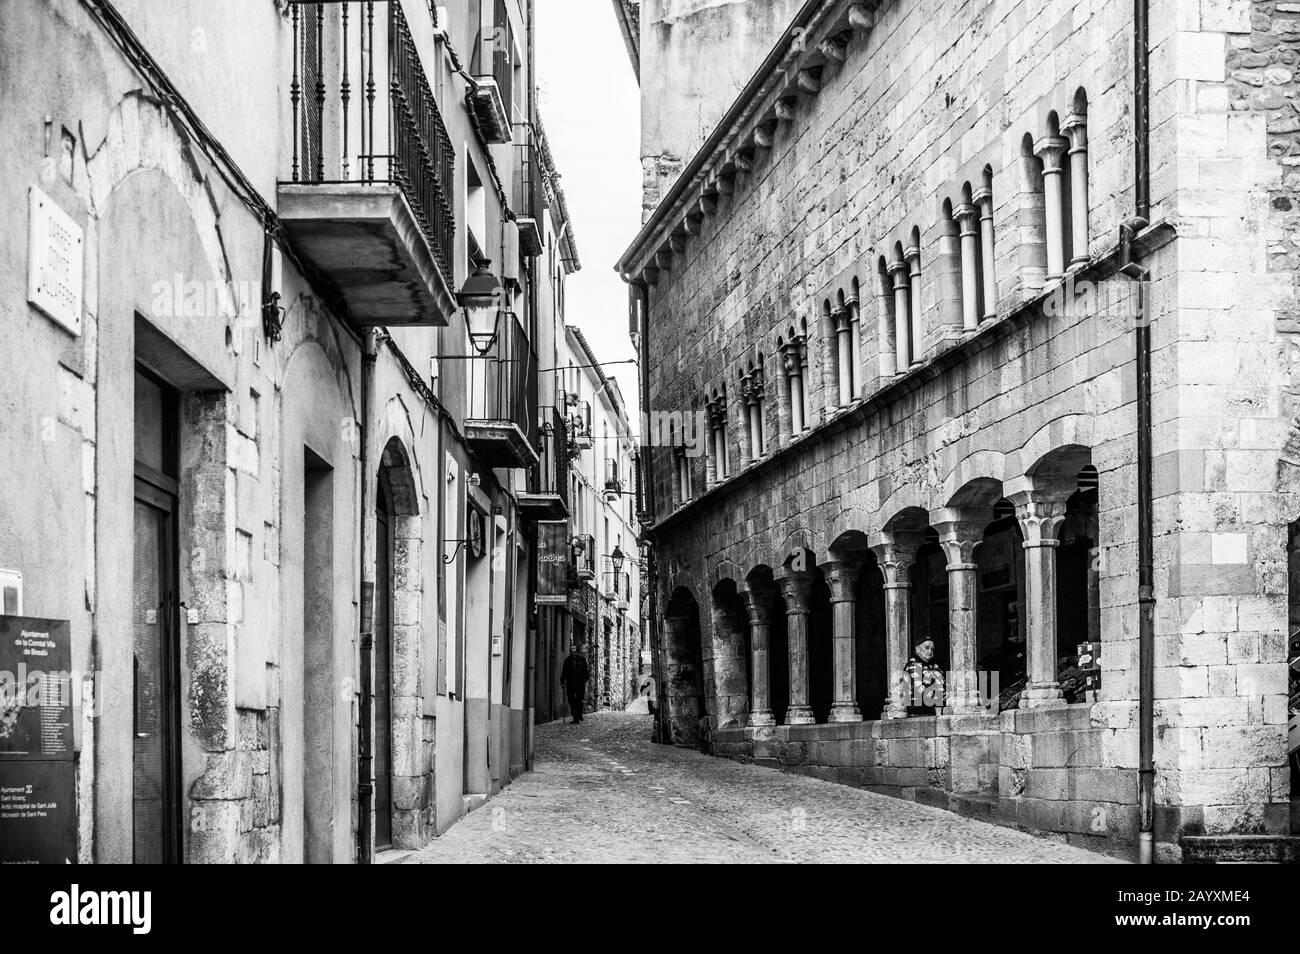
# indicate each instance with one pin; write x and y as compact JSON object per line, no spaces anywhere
{"x":895,"y":554}
{"x":758,"y":601}
{"x":796,"y":587}
{"x":1075,"y":129}
{"x":1040,"y":512}
{"x":967,"y":217}
{"x":960,"y":531}
{"x":1050,"y":149}
{"x":842,"y":578}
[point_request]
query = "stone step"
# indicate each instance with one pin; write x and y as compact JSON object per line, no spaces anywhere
{"x":1241,"y":849}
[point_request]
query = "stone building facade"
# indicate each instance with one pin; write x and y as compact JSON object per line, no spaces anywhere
{"x":289,"y":544}
{"x":892,"y":417}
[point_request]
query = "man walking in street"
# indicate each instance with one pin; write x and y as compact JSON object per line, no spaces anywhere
{"x":573,"y":680}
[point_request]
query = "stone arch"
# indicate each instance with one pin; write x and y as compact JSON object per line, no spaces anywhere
{"x":980,"y":465}
{"x":1065,"y":431}
{"x":977,"y":492}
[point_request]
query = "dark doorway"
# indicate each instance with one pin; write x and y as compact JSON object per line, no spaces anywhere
{"x":821,"y":650}
{"x":156,"y":816}
{"x":869,"y":641}
{"x":778,"y":659}
{"x":999,"y":604}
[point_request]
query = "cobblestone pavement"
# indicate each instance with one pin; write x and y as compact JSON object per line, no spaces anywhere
{"x":602,"y":792}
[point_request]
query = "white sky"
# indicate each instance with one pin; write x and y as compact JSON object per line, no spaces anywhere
{"x":591,"y":108}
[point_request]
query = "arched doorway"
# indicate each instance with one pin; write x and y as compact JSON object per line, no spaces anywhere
{"x":390,"y":661}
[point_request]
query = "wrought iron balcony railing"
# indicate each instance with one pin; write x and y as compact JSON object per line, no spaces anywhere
{"x":584,"y":556}
{"x":367,"y":129}
{"x":580,"y":436}
{"x":529,"y":201}
{"x":502,"y":423}
{"x":492,"y":64}
{"x":547,"y":496}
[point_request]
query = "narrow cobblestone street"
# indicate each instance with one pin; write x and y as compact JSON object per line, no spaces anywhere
{"x":601,"y":792}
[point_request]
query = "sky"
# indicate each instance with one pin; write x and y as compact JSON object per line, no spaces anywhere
{"x":590,"y":105}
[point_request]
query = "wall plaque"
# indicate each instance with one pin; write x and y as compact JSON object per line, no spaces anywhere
{"x":55,"y":261}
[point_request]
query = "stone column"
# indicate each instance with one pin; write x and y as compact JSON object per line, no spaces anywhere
{"x":796,"y":587}
{"x":886,"y":350}
{"x":804,"y":378}
{"x":844,"y":354}
{"x":758,"y":604}
{"x":895,"y":554}
{"x":842,"y":578}
{"x":967,"y":217}
{"x":718,"y":429}
{"x":755,"y":422}
{"x":903,"y":344}
{"x":984,"y":199}
{"x":1051,"y":150}
{"x":794,"y":373}
{"x":1075,"y":128}
{"x":855,"y":346}
{"x":913,"y":255}
{"x":960,"y":530}
{"x":1040,"y":512}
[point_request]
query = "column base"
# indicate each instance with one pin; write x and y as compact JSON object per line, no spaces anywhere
{"x":761,"y":717}
{"x":965,"y":703}
{"x":894,"y":712}
{"x":800,"y":715}
{"x":845,"y":712}
{"x":1042,"y":695}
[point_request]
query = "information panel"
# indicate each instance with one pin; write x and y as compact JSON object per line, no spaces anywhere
{"x":38,"y":809}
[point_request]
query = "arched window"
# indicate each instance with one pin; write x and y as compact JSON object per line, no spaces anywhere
{"x":886,"y":340}
{"x":794,"y":363}
{"x":716,"y":414}
{"x":983,"y":199}
{"x":751,"y":396}
{"x":1051,"y":152}
{"x":1075,"y":130}
{"x":906,"y":317}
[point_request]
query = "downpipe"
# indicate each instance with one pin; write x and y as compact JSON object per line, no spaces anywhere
{"x":1130,"y":266}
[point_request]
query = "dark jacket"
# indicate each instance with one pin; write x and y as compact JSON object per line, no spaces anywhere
{"x":574,"y":673}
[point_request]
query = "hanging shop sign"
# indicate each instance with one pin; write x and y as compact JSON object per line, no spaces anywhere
{"x":553,"y":562}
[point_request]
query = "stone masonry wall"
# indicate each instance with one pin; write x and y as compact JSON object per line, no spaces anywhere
{"x":918,"y":107}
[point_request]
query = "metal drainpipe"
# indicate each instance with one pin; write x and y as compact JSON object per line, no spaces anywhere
{"x":1142,"y":359}
{"x":365,"y":787}
{"x":647,"y":545}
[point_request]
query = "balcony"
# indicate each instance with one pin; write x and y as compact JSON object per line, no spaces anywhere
{"x":368,"y":200}
{"x":613,"y":482}
{"x":547,"y":497}
{"x":623,"y":593}
{"x":616,"y":586}
{"x":501,"y":426}
{"x":529,"y":199}
{"x":492,"y":65}
{"x":584,"y":557}
{"x":580,"y":436}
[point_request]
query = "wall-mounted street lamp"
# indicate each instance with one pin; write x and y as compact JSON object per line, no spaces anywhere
{"x":480,"y":298}
{"x":617,"y":558}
